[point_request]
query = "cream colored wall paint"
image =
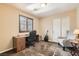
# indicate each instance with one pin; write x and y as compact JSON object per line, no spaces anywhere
{"x":46,"y":23}
{"x":77,"y":13}
{"x":9,"y":25}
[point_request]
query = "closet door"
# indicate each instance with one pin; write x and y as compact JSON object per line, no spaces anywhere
{"x":65,"y":25}
{"x":56,"y":29}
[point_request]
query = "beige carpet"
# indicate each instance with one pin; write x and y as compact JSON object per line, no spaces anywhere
{"x":43,"y":49}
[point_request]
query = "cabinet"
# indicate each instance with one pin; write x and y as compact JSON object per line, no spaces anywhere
{"x":19,"y":43}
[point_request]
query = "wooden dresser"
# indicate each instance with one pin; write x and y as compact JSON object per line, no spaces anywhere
{"x":19,"y":43}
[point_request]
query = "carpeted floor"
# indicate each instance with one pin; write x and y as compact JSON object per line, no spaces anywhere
{"x":43,"y":49}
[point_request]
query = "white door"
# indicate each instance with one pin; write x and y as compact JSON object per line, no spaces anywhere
{"x":56,"y":29}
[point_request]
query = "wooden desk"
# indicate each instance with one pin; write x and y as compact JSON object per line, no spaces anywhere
{"x":19,"y":43}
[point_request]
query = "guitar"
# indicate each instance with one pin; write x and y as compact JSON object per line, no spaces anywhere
{"x":46,"y":37}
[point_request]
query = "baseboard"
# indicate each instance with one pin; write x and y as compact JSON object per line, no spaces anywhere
{"x":6,"y":50}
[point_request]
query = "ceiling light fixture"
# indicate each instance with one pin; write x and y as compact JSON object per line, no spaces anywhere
{"x":43,"y":4}
{"x":40,"y":6}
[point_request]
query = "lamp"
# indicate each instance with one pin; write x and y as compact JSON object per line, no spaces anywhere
{"x":76,"y":31}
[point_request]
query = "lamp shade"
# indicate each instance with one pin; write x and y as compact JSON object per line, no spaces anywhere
{"x":76,"y":31}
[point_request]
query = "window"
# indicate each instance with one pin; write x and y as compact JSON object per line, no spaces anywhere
{"x":25,"y":24}
{"x":30,"y":24}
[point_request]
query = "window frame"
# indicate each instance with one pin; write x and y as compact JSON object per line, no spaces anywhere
{"x":27,"y":18}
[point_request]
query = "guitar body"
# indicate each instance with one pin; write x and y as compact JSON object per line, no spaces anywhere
{"x":46,"y":38}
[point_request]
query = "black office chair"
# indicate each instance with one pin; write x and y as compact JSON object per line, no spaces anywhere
{"x":32,"y":38}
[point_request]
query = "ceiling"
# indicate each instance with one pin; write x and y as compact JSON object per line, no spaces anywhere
{"x":49,"y":9}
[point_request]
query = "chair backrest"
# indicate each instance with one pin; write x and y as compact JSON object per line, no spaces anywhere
{"x":32,"y":35}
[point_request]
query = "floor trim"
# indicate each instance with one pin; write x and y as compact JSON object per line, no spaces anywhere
{"x":6,"y":50}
